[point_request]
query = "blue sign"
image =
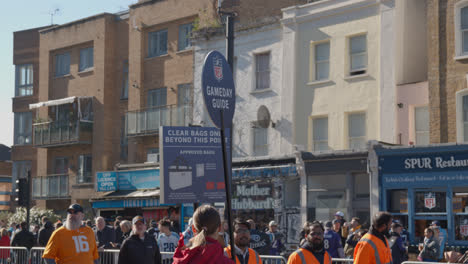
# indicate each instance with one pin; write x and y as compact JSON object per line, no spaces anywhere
{"x":192,"y":165}
{"x":138,"y":179}
{"x":218,"y":89}
{"x":106,"y":181}
{"x":127,"y":180}
{"x":283,"y":171}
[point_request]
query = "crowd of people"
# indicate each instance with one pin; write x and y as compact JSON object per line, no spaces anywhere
{"x":206,"y":240}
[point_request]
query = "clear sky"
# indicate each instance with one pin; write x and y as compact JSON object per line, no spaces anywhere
{"x":24,"y":14}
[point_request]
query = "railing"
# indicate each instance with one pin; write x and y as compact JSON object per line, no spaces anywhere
{"x":50,"y":187}
{"x":147,"y":121}
{"x":59,"y":133}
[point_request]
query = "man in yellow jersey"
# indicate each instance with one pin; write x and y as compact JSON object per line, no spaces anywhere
{"x":373,"y":248}
{"x":244,"y":254}
{"x":72,"y":243}
{"x":312,"y":251}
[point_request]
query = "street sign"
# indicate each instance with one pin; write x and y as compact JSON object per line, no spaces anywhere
{"x":218,"y":89}
{"x":191,"y":165}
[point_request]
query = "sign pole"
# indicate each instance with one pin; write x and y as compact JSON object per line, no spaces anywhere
{"x":227,"y":183}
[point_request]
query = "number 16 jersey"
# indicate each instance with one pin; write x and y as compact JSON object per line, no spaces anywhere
{"x":72,"y":246}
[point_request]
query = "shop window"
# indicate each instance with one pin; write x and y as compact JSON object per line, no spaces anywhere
{"x":460,"y":209}
{"x":361,"y":186}
{"x":430,"y":202}
{"x":421,"y":224}
{"x":397,"y":201}
{"x":325,"y":196}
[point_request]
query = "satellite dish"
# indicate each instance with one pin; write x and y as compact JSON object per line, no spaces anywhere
{"x":263,"y":117}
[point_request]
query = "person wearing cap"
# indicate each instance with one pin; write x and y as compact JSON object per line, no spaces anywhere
{"x":154,"y":230}
{"x":243,"y":253}
{"x":188,"y":233}
{"x":395,"y":241}
{"x":140,"y":247}
{"x":72,"y":243}
{"x":442,"y":237}
{"x":312,"y":251}
{"x":276,"y":238}
{"x":373,"y":247}
{"x":332,"y":241}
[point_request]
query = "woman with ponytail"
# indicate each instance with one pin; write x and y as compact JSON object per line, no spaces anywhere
{"x":204,"y":246}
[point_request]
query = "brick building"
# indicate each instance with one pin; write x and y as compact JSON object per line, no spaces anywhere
{"x":5,"y":177}
{"x":447,"y":70}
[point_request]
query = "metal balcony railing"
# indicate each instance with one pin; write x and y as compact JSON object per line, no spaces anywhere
{"x":53,"y":186}
{"x":59,"y":133}
{"x":147,"y":121}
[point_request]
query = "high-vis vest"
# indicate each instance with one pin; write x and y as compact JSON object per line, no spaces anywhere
{"x":372,"y":250}
{"x":304,"y":256}
{"x":254,"y":258}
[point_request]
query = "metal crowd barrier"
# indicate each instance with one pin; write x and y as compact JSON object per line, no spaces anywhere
{"x":342,"y":260}
{"x":35,"y":254}
{"x":166,"y":257}
{"x":14,"y":255}
{"x":421,"y":262}
{"x":266,"y":259}
{"x":108,"y":256}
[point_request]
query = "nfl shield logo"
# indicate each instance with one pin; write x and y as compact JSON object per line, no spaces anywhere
{"x":429,"y":201}
{"x":218,"y":68}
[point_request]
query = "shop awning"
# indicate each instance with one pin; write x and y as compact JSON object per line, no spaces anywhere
{"x":127,"y":199}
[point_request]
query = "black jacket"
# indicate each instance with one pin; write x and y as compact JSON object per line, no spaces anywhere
{"x":104,"y":237}
{"x":135,"y":250}
{"x":44,"y":234}
{"x":23,"y":238}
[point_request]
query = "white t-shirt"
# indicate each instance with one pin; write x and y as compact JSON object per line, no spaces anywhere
{"x":168,"y":243}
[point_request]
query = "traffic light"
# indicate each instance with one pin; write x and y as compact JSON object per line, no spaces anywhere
{"x":22,"y":192}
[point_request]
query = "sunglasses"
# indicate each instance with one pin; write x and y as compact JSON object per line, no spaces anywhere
{"x":73,"y":212}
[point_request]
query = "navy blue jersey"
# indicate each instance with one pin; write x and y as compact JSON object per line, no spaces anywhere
{"x":332,"y":242}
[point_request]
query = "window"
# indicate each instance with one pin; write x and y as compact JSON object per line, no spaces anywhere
{"x":464,"y":29}
{"x":361,"y":186}
{"x":421,"y":125}
{"x":465,"y":118}
{"x":85,"y":169}
{"x":262,"y":71}
{"x":320,"y":134}
{"x":358,"y":54}
{"x":24,"y":80}
{"x":123,"y":141}
{"x":157,"y":97}
{"x":260,"y":141}
{"x":152,"y":155}
{"x":61,"y":165}
{"x":460,"y":208}
{"x":184,"y":101}
{"x":20,"y":170}
{"x":185,"y":32}
{"x":86,"y":59}
{"x":124,"y":94}
{"x":357,"y":131}
{"x":429,"y":201}
{"x":62,"y":64}
{"x":322,"y":61}
{"x":397,"y":201}
{"x":23,"y":127}
{"x":157,"y":43}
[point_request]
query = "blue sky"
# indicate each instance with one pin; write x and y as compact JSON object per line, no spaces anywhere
{"x":20,"y":15}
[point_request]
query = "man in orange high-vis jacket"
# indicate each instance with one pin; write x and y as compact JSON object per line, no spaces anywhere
{"x":312,"y":251}
{"x":244,"y":254}
{"x":373,"y":248}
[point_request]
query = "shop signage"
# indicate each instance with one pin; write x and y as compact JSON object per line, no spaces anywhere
{"x":129,"y":203}
{"x":464,"y":230}
{"x":429,"y":201}
{"x":218,"y":89}
{"x":127,"y":180}
{"x":426,"y":160}
{"x":192,"y":165}
{"x":280,"y":171}
{"x":426,"y":179}
{"x":256,"y":196}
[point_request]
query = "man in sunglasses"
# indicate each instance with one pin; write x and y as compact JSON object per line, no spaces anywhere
{"x":72,"y":243}
{"x":244,"y":254}
{"x":312,"y":251}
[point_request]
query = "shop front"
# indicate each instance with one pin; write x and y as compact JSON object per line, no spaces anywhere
{"x":128,"y":193}
{"x":268,"y":190}
{"x":336,"y":181}
{"x":419,"y":185}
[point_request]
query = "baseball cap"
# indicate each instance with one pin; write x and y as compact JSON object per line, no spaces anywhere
{"x":74,"y":208}
{"x":137,"y":219}
{"x":339,"y":213}
{"x":273,"y":223}
{"x":335,"y":221}
{"x":154,"y":223}
{"x":328,"y":224}
{"x":436,"y":223}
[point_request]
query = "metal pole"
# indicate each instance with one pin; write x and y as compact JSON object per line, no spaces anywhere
{"x":230,"y":41}
{"x":227,"y":183}
{"x":28,"y":200}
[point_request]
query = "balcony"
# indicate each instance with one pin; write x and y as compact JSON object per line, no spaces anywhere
{"x":147,"y":121}
{"x":50,"y":187}
{"x":60,"y":133}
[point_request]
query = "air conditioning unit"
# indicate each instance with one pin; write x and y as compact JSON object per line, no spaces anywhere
{"x":152,"y":157}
